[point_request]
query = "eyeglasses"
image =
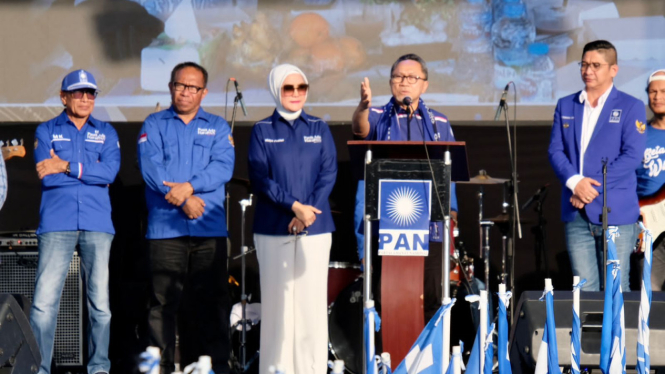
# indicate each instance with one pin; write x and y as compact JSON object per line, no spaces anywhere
{"x":78,"y":94}
{"x":181,"y":87}
{"x":409,"y":78}
{"x":290,"y":90}
{"x":594,"y":65}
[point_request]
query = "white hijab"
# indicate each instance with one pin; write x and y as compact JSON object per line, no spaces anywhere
{"x":275,"y":80}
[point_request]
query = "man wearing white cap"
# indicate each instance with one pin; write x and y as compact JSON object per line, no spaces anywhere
{"x":651,"y":176}
{"x":77,"y":158}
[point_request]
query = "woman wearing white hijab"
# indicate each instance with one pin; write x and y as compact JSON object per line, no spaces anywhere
{"x":292,"y":169}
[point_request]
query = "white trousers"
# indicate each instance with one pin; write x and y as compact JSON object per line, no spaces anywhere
{"x":294,"y":311}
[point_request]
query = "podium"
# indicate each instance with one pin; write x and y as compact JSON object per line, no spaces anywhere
{"x":402,"y":305}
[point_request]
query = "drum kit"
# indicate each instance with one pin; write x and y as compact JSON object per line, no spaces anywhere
{"x":345,"y":285}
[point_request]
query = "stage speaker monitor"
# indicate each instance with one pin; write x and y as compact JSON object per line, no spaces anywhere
{"x":18,"y":348}
{"x":527,"y":332}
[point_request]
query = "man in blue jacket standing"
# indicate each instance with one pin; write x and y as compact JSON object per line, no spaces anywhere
{"x":186,"y":157}
{"x":77,"y":158}
{"x":597,"y":124}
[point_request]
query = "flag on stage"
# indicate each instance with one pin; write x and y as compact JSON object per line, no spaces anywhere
{"x":643,"y":360}
{"x":372,"y":324}
{"x":489,"y":348}
{"x":548,"y":356}
{"x":575,"y":336}
{"x":424,"y":356}
{"x":473,"y":365}
{"x":458,"y":355}
{"x":613,"y":343}
{"x":502,"y":354}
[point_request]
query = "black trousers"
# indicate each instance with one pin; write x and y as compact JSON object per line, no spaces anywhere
{"x":190,"y":288}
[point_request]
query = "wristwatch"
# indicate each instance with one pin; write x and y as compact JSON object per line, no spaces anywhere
{"x":69,"y":168}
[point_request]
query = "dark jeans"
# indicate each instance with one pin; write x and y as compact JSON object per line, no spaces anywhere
{"x":189,"y":284}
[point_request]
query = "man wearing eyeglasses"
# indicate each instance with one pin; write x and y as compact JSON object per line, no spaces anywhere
{"x":186,"y":157}
{"x":396,"y":121}
{"x":598,"y":124}
{"x":77,"y":158}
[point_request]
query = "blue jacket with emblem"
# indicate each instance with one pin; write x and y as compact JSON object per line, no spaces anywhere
{"x":289,"y":163}
{"x":78,"y":200}
{"x":619,"y":137}
{"x":200,"y":153}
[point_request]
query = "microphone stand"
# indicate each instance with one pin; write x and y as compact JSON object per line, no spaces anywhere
{"x":514,"y":213}
{"x":606,"y":210}
{"x":244,"y":365}
{"x":539,"y":231}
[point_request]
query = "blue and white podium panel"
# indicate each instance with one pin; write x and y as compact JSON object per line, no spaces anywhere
{"x":404,"y":215}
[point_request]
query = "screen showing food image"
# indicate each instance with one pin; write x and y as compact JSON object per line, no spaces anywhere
{"x":473,"y":49}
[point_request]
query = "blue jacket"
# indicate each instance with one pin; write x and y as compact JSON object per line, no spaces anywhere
{"x":200,"y":153}
{"x":80,"y":200}
{"x":619,"y":137}
{"x":289,"y":163}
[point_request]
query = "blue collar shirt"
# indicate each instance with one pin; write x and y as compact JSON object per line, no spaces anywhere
{"x":78,"y":200}
{"x":200,"y":153}
{"x":288,"y":163}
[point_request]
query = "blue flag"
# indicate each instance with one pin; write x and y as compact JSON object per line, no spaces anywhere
{"x":613,"y":344}
{"x":575,"y":336}
{"x":425,"y":354}
{"x":548,"y":355}
{"x":502,"y":354}
{"x":489,"y":348}
{"x":473,"y":365}
{"x":372,"y":323}
{"x":643,"y":360}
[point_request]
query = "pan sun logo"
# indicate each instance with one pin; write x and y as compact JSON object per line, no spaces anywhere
{"x":404,"y":206}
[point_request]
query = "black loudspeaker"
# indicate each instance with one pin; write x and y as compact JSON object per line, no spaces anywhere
{"x":17,"y":276}
{"x":18,"y":348}
{"x":526,"y":333}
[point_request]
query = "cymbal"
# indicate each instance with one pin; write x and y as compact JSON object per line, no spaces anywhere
{"x":484,"y":178}
{"x":504,"y":218}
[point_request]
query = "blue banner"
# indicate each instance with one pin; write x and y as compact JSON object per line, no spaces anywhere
{"x":404,"y":215}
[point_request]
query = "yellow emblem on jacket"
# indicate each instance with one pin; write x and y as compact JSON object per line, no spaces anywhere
{"x":641,"y":126}
{"x":565,"y":125}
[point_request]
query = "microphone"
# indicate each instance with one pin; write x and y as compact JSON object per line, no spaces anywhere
{"x":537,"y":196}
{"x":239,"y":95}
{"x":407,"y":101}
{"x":502,"y":102}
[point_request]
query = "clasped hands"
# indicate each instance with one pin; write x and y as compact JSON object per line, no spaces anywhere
{"x":305,"y":217}
{"x":584,"y":192}
{"x":182,"y":195}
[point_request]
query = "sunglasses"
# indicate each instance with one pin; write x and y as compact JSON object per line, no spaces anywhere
{"x":78,"y":94}
{"x":289,"y":89}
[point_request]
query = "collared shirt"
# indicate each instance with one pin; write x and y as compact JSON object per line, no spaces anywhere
{"x":3,"y":182}
{"x":78,"y":200}
{"x":651,"y":175}
{"x":200,"y":153}
{"x":288,"y":163}
{"x":442,"y":131}
{"x":591,"y":115}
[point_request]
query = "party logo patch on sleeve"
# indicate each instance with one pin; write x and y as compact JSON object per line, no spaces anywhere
{"x":641,"y":126}
{"x":233,"y":144}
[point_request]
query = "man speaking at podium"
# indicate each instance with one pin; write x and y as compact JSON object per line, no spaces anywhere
{"x":408,"y":80}
{"x":597,"y":124}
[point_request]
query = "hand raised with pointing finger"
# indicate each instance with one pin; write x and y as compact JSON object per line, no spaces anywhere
{"x":365,"y":94}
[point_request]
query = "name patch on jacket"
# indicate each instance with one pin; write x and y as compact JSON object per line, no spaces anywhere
{"x":95,"y":137}
{"x":59,"y":138}
{"x":312,"y":139}
{"x":615,"y":116}
{"x":210,"y":132}
{"x":274,"y":140}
